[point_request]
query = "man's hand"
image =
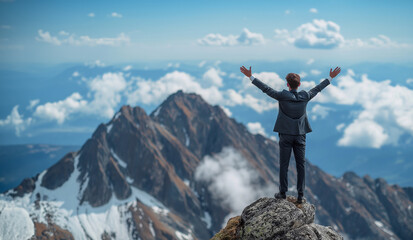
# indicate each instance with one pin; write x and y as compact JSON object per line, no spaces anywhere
{"x":334,"y":73}
{"x":245,"y":71}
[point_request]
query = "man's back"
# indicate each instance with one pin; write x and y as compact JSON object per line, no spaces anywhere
{"x":292,"y":116}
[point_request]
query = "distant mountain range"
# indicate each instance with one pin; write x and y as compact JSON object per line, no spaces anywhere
{"x":156,"y":177}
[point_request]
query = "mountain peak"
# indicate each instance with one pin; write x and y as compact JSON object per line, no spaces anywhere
{"x":270,"y":218}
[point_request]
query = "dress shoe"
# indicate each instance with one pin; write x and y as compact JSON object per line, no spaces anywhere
{"x":280,"y":195}
{"x":300,"y":199}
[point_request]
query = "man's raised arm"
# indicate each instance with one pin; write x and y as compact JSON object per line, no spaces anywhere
{"x":315,"y":90}
{"x":264,"y":87}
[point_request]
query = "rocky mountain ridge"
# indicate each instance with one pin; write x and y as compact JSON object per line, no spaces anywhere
{"x":141,"y":169}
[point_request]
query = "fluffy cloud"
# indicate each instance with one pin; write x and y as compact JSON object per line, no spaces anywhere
{"x":116,"y":15}
{"x":16,"y":120}
{"x":319,"y":111}
{"x":245,"y":38}
{"x":315,"y":72}
{"x":256,"y":128}
{"x":91,"y":15}
{"x":33,"y":103}
{"x":387,"y":110}
{"x":96,"y":63}
{"x":364,"y":133}
{"x":72,"y":39}
{"x":60,"y":110}
{"x":313,"y":10}
{"x":46,"y":37}
{"x":153,"y":92}
{"x":321,"y":34}
{"x":127,"y":68}
{"x":213,"y":75}
{"x":381,"y":41}
{"x":316,"y":34}
{"x":105,"y":91}
{"x":231,"y":180}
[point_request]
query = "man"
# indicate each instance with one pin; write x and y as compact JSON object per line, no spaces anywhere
{"x":292,"y":125}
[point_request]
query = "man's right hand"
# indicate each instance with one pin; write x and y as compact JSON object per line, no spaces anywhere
{"x":245,"y":71}
{"x":334,"y":73}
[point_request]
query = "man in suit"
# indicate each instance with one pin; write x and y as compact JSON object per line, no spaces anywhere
{"x":292,"y":124}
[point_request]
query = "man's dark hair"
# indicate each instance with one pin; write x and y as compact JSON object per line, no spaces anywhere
{"x":293,"y":80}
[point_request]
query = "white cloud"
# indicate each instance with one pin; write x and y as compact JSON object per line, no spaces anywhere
{"x":340,"y":127}
{"x":202,"y":63}
{"x":409,"y":80}
{"x":174,"y":65}
{"x":319,"y":111}
{"x":16,"y":120}
{"x":256,"y":128}
{"x":315,"y":72}
{"x":107,"y":93}
{"x":91,"y":15}
{"x":153,"y":92}
{"x":96,"y":63}
{"x":46,"y":37}
{"x":75,"y":74}
{"x":313,"y":10}
{"x":33,"y":103}
{"x":116,"y":15}
{"x":386,"y":109}
{"x":5,"y":27}
{"x":245,"y":38}
{"x":316,"y":34}
{"x":227,"y":111}
{"x":363,"y":133}
{"x":287,"y":12}
{"x":303,"y":75}
{"x":72,"y":39}
{"x":127,"y":68}
{"x":381,"y":41}
{"x":310,"y":61}
{"x":60,"y":110}
{"x":63,"y":33}
{"x":213,"y":75}
{"x":231,"y":180}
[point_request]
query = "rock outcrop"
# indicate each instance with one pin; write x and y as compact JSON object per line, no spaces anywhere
{"x":270,"y":218}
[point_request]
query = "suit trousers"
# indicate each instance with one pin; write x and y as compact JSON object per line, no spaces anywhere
{"x":297,"y":144}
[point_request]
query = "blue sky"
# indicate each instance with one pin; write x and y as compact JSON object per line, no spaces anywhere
{"x":171,"y":30}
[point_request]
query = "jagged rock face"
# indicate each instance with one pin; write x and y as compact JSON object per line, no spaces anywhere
{"x":271,"y":219}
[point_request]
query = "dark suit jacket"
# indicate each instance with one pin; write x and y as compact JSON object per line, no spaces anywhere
{"x":292,"y":115}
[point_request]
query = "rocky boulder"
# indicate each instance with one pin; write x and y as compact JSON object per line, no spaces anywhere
{"x":269,"y":218}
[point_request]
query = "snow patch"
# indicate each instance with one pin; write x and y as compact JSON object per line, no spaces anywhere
{"x":207,"y":219}
{"x":160,"y":211}
{"x":109,"y":127}
{"x":182,"y":236}
{"x":120,"y":161}
{"x":156,"y":113}
{"x":15,"y":223}
{"x":187,"y":182}
{"x":382,"y":227}
{"x":117,"y":115}
{"x":129,"y":180}
{"x":187,"y":140}
{"x":151,"y":229}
